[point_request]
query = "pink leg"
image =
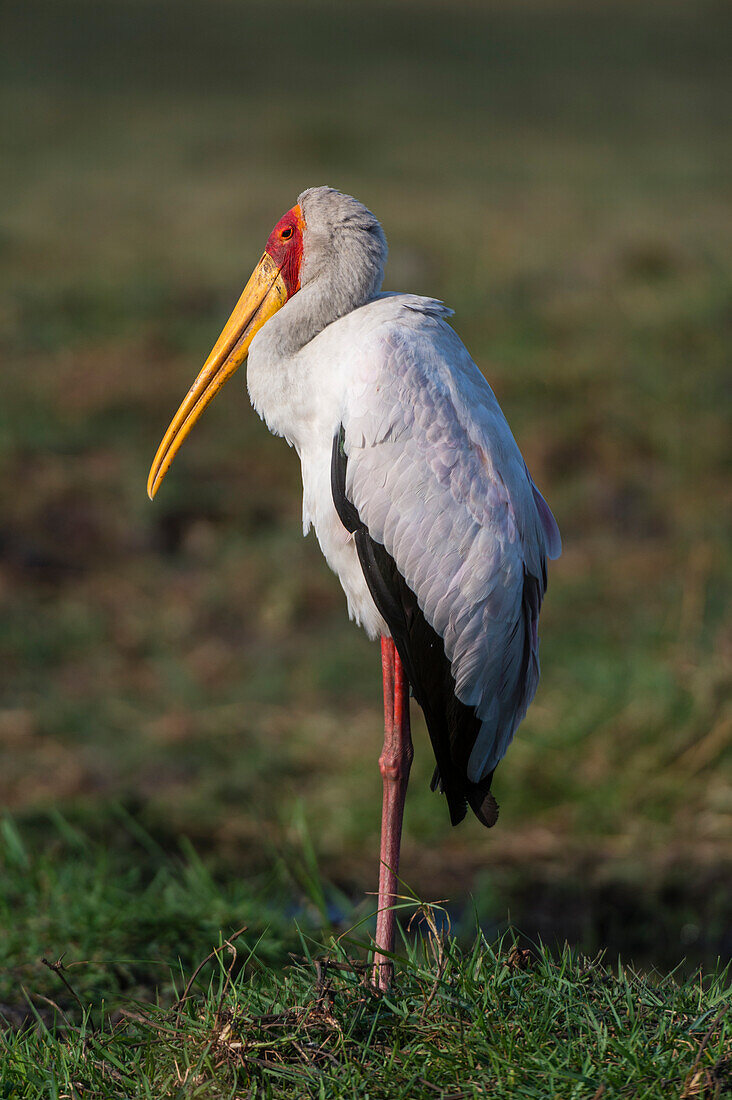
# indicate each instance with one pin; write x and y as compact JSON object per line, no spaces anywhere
{"x":395,"y":762}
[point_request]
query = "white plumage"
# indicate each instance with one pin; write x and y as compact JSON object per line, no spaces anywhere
{"x":418,"y":494}
{"x":436,"y":476}
{"x":431,"y":474}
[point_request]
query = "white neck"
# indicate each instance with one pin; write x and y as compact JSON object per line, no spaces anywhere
{"x":285,"y":383}
{"x":281,"y":377}
{"x":344,"y":252}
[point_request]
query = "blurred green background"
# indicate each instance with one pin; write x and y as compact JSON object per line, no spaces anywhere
{"x":559,"y":173}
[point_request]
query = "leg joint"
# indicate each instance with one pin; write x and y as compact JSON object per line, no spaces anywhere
{"x":396,"y":765}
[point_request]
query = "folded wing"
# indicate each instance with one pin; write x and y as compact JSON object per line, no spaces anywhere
{"x":436,"y":479}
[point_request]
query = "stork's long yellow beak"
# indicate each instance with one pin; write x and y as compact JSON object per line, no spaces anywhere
{"x":263,"y":295}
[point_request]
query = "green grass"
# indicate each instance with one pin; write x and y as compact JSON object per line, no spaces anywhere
{"x":122,"y":914}
{"x":465,"y":1024}
{"x":128,"y":974}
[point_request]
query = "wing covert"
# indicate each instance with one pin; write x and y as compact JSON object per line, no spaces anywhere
{"x":436,"y":477}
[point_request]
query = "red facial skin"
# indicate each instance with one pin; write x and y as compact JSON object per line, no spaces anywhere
{"x":285,"y":248}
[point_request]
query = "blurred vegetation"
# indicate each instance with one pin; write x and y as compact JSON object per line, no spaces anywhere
{"x":559,"y":173}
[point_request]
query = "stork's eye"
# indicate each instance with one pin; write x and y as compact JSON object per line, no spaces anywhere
{"x":286,"y":233}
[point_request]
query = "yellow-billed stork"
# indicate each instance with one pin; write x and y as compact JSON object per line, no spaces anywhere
{"x":419,"y":496}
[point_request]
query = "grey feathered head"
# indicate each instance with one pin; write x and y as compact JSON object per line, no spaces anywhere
{"x":344,"y":243}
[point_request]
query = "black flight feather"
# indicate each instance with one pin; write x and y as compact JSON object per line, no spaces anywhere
{"x":453,"y":726}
